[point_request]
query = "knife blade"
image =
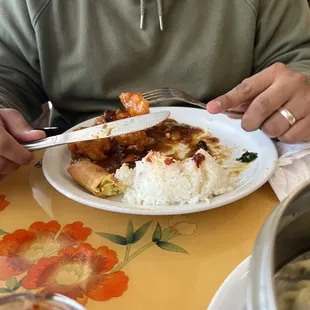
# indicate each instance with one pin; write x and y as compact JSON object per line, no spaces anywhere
{"x":107,"y":130}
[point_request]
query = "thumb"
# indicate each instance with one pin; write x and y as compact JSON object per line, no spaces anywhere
{"x":18,"y":127}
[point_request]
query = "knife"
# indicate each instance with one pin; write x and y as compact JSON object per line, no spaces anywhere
{"x":107,"y":130}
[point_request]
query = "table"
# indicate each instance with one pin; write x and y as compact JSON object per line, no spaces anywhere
{"x":49,"y":243}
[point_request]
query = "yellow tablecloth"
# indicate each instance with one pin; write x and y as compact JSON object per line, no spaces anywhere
{"x":49,"y":243}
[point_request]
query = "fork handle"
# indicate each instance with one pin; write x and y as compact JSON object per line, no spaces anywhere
{"x":197,"y":104}
{"x":233,"y":113}
{"x":228,"y":112}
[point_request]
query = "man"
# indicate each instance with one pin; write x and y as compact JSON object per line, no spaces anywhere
{"x":249,"y":55}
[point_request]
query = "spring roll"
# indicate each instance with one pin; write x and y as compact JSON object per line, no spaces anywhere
{"x":95,"y":179}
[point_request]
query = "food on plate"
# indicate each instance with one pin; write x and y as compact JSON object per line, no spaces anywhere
{"x":247,"y":157}
{"x":173,"y":139}
{"x":108,"y":152}
{"x":292,"y":285}
{"x":94,"y":149}
{"x":194,"y":160}
{"x":161,"y":180}
{"x":95,"y":179}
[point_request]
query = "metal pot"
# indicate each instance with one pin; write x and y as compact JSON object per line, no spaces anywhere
{"x":284,"y":236}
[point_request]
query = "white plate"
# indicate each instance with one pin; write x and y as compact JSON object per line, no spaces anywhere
{"x":56,"y":161}
{"x":232,"y":293}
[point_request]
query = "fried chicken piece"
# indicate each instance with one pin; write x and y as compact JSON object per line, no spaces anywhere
{"x":134,"y":141}
{"x":121,"y":114}
{"x":134,"y":103}
{"x":93,"y":149}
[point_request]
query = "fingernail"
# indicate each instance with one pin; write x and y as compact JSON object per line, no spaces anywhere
{"x":31,"y":130}
{"x":34,"y":133}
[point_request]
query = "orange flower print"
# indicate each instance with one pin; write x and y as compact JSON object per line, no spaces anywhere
{"x":78,"y":273}
{"x":3,"y":203}
{"x":23,"y":248}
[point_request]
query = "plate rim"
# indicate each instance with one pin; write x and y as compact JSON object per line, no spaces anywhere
{"x":241,"y":270}
{"x":157,"y":210}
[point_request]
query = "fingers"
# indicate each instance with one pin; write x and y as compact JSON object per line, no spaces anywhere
{"x":17,"y":126}
{"x":240,"y":108}
{"x":12,"y":150}
{"x":275,"y":87}
{"x":297,"y":133}
{"x":276,"y":125}
{"x":266,"y":104}
{"x":7,"y":166}
{"x":13,"y":127}
{"x":268,"y":91}
{"x":279,"y":94}
{"x":246,"y":91}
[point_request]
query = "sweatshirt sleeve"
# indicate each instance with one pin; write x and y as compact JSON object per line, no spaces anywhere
{"x":20,"y":79}
{"x":283,"y":35}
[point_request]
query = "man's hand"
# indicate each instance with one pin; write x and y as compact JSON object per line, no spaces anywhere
{"x":14,"y":129}
{"x":261,"y":96}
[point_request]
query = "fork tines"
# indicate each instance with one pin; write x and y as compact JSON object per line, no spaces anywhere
{"x":158,"y":94}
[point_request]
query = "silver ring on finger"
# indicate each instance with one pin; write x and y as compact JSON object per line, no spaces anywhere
{"x":287,"y":115}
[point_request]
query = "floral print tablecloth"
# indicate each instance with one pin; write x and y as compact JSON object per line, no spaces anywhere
{"x":49,"y":243}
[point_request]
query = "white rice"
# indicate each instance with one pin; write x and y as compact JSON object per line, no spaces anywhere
{"x":153,"y":182}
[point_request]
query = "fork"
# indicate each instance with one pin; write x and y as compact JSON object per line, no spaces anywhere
{"x":166,"y":93}
{"x":153,"y":97}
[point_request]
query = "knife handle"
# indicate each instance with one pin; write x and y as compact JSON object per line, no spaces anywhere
{"x":50,"y":140}
{"x":40,"y":144}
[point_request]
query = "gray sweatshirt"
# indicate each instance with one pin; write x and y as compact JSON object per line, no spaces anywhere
{"x":81,"y":54}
